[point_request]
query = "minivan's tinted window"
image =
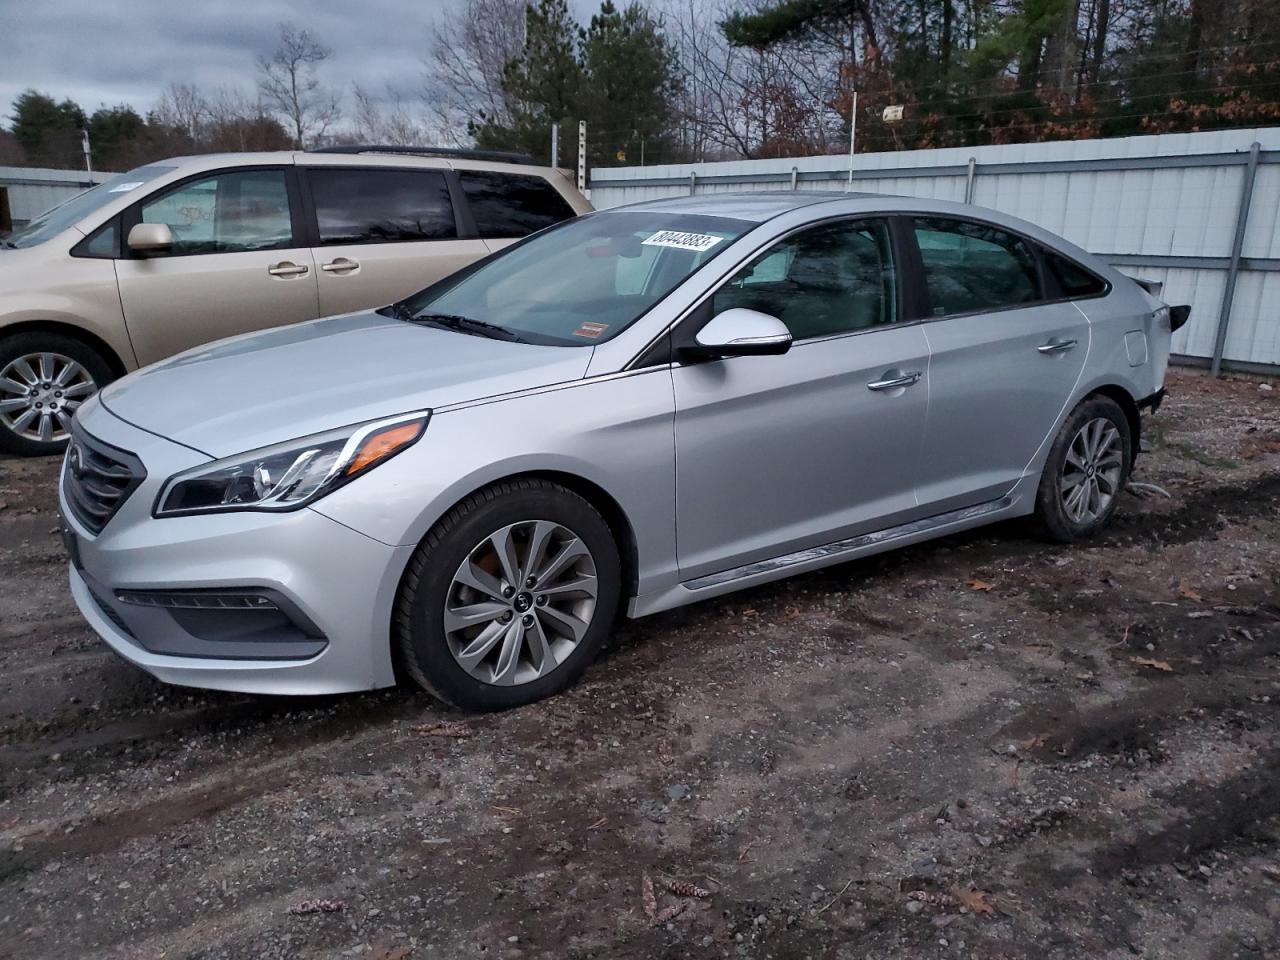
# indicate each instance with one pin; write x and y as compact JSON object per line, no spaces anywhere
{"x":381,"y":206}
{"x":829,"y":279}
{"x":1073,"y":280}
{"x":971,"y":267}
{"x":228,"y":212}
{"x":512,"y":205}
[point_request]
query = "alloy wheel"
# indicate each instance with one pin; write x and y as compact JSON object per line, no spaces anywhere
{"x":520,"y":602}
{"x":39,"y":394}
{"x":1091,"y":473}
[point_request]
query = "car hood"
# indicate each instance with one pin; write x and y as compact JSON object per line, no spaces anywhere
{"x":261,"y":388}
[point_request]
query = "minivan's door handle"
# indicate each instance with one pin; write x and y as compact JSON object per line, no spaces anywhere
{"x":905,"y":380}
{"x":287,"y":268}
{"x":340,"y":265}
{"x":1056,"y":346}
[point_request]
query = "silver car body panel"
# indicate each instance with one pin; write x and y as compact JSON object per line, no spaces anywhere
{"x":724,"y":474}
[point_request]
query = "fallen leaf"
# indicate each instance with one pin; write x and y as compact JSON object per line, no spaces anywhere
{"x":599,"y":823}
{"x":976,"y":901}
{"x":1037,"y":741}
{"x":1189,"y":593}
{"x":976,"y":584}
{"x":669,"y":913}
{"x":1153,"y":664}
{"x":648,"y":898}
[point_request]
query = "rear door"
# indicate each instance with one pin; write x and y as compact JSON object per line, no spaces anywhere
{"x":238,"y":262}
{"x":382,"y":233}
{"x":508,"y":206}
{"x":1005,"y":358}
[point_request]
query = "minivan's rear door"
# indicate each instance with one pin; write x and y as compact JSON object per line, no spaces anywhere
{"x":382,"y":233}
{"x":507,"y":206}
{"x":236,"y":265}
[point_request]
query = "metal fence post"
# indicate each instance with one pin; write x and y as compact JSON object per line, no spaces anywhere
{"x":693,"y":183}
{"x":582,"y":155}
{"x":795,"y":175}
{"x":555,"y":145}
{"x":969,"y":178}
{"x":1237,"y":245}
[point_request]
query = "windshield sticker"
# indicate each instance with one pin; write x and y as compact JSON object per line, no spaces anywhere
{"x":590,"y":329}
{"x":698,"y":242}
{"x":126,"y":187}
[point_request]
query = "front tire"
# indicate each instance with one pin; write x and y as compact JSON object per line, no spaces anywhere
{"x":509,"y":597}
{"x":1085,"y":472}
{"x":44,"y":378}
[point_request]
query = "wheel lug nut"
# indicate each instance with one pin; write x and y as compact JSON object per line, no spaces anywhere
{"x":505,"y":618}
{"x":527,"y":620}
{"x":508,"y":592}
{"x":57,"y":393}
{"x":542,"y":601}
{"x":531,"y":582}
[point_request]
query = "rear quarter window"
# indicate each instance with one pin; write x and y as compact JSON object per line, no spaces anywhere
{"x":507,"y":205}
{"x":1073,"y":280}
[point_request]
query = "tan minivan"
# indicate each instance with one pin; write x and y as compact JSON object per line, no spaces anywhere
{"x":184,"y":251}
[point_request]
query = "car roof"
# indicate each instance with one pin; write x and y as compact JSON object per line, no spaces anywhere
{"x":198,"y":162}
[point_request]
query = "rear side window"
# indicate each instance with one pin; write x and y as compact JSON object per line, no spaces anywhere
{"x":973,"y":267}
{"x":508,"y":205}
{"x":381,"y":206}
{"x":1073,"y":280}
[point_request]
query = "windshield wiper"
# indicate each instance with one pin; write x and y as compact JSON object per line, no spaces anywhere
{"x":454,"y":321}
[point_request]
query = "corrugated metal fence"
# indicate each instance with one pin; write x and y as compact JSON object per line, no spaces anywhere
{"x":1199,"y":212}
{"x":33,"y":190}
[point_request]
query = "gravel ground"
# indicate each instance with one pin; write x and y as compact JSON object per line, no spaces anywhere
{"x":980,"y":747}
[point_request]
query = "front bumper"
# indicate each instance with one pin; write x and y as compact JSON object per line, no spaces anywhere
{"x":332,"y":588}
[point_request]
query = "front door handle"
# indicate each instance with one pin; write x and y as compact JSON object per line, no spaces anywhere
{"x":892,"y":383}
{"x":287,"y":268}
{"x":1056,"y":346}
{"x":340,"y":265}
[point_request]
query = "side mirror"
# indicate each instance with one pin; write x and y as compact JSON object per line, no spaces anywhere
{"x":1178,"y":316}
{"x":150,"y":238}
{"x":738,"y":332}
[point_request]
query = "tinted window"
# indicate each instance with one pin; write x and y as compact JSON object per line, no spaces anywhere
{"x":972,"y":267}
{"x":1073,"y":279}
{"x":511,"y":205}
{"x":829,"y":279}
{"x":225,"y":213}
{"x":381,"y":206}
{"x":584,"y":281}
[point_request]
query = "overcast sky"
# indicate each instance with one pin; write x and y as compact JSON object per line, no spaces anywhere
{"x":125,"y":51}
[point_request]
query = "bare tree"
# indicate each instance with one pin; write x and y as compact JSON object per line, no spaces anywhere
{"x":183,"y":107}
{"x":289,"y":87}
{"x":465,"y":65}
{"x":386,"y":121}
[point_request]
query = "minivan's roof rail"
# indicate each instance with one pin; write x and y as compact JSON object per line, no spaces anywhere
{"x":497,"y":156}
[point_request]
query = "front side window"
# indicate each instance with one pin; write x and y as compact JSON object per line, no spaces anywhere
{"x":230,"y":212}
{"x":582,"y":282}
{"x":831,"y":279}
{"x":381,"y":206}
{"x":973,"y":267}
{"x":507,"y":205}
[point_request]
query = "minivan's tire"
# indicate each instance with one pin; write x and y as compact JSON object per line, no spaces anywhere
{"x":44,"y":378}
{"x":509,"y":597}
{"x":1086,"y":471}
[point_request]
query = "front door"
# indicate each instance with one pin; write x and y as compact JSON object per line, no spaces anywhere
{"x":1004,"y":361}
{"x":234,"y":266}
{"x":384,"y":233}
{"x":776,"y":454}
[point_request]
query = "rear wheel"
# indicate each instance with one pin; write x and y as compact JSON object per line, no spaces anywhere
{"x":1087,"y":468}
{"x":44,"y":378}
{"x":509,"y":598}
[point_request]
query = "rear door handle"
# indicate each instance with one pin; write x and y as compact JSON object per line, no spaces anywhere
{"x":287,"y":268}
{"x":892,"y":383}
{"x":1056,"y":346}
{"x":340,"y":265}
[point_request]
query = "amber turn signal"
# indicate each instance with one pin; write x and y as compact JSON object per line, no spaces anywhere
{"x":380,"y":445}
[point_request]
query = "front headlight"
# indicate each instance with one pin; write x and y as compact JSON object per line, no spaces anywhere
{"x":289,"y":475}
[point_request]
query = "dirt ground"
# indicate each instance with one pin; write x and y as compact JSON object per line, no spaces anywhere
{"x":980,"y":747}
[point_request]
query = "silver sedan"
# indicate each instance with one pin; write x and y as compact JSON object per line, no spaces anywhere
{"x":631,"y":411}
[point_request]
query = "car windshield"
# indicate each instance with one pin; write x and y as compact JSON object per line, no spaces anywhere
{"x":579,"y":283}
{"x":70,"y":212}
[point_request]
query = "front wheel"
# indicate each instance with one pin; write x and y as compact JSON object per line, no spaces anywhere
{"x":509,"y":597}
{"x":1085,"y":472}
{"x":44,"y":378}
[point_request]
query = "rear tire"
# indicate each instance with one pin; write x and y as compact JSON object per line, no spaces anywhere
{"x":44,"y":378}
{"x":1087,"y":468}
{"x":509,"y":597}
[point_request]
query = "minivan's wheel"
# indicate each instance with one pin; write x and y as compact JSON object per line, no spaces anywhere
{"x":509,"y":597}
{"x":44,"y":378}
{"x":1086,"y":470}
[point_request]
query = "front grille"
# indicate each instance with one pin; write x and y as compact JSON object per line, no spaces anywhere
{"x":98,"y":479}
